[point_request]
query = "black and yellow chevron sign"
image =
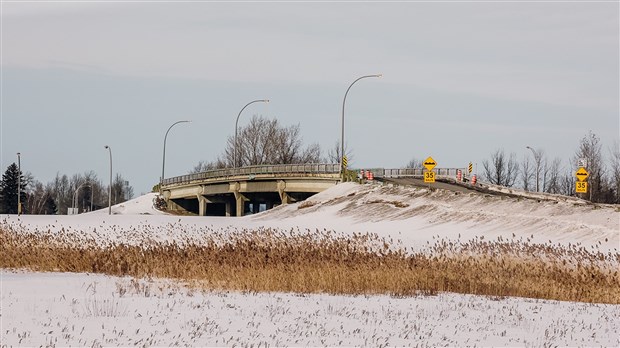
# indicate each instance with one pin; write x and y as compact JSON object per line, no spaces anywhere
{"x":344,"y":161}
{"x":470,"y":168}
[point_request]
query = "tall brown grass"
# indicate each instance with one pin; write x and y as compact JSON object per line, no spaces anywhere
{"x":325,"y":262}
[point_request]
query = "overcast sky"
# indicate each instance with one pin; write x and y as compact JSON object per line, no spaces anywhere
{"x":460,"y":80}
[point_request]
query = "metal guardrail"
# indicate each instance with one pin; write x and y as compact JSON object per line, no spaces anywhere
{"x":281,"y":170}
{"x":414,"y":172}
{"x":275,"y":170}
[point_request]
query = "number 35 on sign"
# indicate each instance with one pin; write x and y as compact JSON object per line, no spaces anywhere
{"x":429,"y":177}
{"x":581,"y":187}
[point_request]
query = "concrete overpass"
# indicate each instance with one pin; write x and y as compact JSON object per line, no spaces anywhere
{"x":237,"y":191}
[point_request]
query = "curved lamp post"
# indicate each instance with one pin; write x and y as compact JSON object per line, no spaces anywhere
{"x":537,"y":159}
{"x":342,"y":123}
{"x":110,"y":188}
{"x":237,"y":122}
{"x":19,"y":185}
{"x":87,"y":184}
{"x":163,"y":161}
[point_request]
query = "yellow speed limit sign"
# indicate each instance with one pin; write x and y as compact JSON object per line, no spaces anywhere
{"x":581,"y":187}
{"x":429,"y":177}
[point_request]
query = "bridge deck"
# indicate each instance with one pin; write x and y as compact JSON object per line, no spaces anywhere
{"x":236,"y":191}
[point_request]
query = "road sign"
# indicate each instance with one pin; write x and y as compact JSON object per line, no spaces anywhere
{"x":429,"y":163}
{"x":429,"y":177}
{"x":582,"y":174}
{"x":470,"y":168}
{"x":582,"y":162}
{"x":344,"y":161}
{"x":581,"y":187}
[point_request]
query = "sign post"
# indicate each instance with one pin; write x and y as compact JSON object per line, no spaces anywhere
{"x":581,"y":186}
{"x":429,"y":164}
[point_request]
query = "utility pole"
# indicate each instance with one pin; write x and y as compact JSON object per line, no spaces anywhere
{"x":19,"y":185}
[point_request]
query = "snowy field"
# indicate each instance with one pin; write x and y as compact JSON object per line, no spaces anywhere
{"x":92,"y":310}
{"x":86,"y":309}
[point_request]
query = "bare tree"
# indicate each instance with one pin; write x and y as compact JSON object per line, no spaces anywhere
{"x":311,"y":154}
{"x":264,"y":141}
{"x":63,"y":194}
{"x":614,"y":154}
{"x":121,"y":190}
{"x":527,"y":173}
{"x":552,"y":177}
{"x":590,"y":150}
{"x":36,"y":196}
{"x":539,"y":167}
{"x":333,"y":154}
{"x":502,"y":170}
{"x":203,"y":166}
{"x":567,"y":184}
{"x":414,"y":163}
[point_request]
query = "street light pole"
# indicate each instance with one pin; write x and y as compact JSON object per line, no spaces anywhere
{"x":19,"y":185}
{"x":163,"y":161}
{"x":237,"y":122}
{"x":342,"y":123}
{"x":75,"y":201}
{"x":537,"y":159}
{"x":110,"y":188}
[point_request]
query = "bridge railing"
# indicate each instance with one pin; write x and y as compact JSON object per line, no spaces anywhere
{"x":302,"y":169}
{"x":276,"y":170}
{"x":414,"y":172}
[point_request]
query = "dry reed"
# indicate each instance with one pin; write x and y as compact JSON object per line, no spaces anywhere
{"x":324,"y":262}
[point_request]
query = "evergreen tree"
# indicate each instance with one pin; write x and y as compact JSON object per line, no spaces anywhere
{"x":8,"y":190}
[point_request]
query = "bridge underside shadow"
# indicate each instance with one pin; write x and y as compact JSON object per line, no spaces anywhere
{"x":228,"y":204}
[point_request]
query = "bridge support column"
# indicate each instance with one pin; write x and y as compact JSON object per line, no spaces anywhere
{"x":284,"y":197}
{"x":241,"y":199}
{"x":202,"y":205}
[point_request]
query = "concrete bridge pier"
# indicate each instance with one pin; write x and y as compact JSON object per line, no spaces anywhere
{"x":284,"y":197}
{"x":240,"y":199}
{"x":202,"y":205}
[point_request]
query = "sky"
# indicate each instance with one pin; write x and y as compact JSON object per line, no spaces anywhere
{"x":460,"y":80}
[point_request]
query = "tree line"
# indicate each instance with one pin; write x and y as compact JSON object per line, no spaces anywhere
{"x":85,"y":192}
{"x":551,"y":176}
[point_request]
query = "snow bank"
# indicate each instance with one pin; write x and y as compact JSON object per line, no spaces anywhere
{"x":142,"y":205}
{"x":415,"y":216}
{"x":418,"y":215}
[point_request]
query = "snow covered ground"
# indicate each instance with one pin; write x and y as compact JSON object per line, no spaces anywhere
{"x":91,"y":310}
{"x":82,"y":309}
